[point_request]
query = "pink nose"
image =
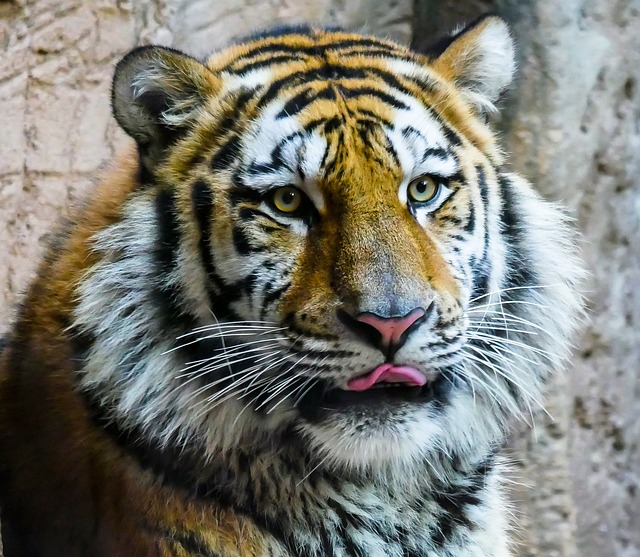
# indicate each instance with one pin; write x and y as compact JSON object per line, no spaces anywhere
{"x":391,"y":329}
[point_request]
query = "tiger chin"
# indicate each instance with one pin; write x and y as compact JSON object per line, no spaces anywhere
{"x":295,"y":318}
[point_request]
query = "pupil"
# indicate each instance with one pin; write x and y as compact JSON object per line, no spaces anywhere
{"x":422,"y":187}
{"x":288,"y":197}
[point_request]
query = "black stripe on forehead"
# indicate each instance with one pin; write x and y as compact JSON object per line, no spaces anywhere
{"x":227,"y":154}
{"x":280,"y":47}
{"x":276,"y":161}
{"x":303,"y":99}
{"x":357,"y":92}
{"x":439,"y":152}
{"x":324,"y":73}
{"x":231,"y":128}
{"x":330,"y":72}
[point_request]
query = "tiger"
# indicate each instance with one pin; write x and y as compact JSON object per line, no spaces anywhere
{"x":295,"y":317}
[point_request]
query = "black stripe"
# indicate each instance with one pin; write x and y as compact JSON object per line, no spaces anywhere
{"x":520,"y":269}
{"x":431,"y":86}
{"x":324,"y":73}
{"x":168,"y":296}
{"x":332,"y":125}
{"x":242,"y":99}
{"x":325,"y":155}
{"x":243,"y":194}
{"x":271,"y":297}
{"x":357,"y":92}
{"x":392,"y":151}
{"x":390,"y":79}
{"x":227,"y":154}
{"x":258,"y":168}
{"x":471,"y":220}
{"x":241,"y":241}
{"x":251,"y":213}
{"x":450,"y":219}
{"x":453,"y":502}
{"x":203,"y":207}
{"x":242,"y":69}
{"x":438,"y":153}
{"x":373,"y":52}
{"x":219,"y":293}
{"x":168,"y":231}
{"x":372,"y":116}
{"x":481,"y":282}
{"x":363,"y":41}
{"x":231,"y":124}
{"x":276,"y":162}
{"x":482,"y":185}
{"x":304,"y":99}
{"x":452,"y":137}
{"x":278,"y":48}
{"x":194,"y":544}
{"x":327,"y":548}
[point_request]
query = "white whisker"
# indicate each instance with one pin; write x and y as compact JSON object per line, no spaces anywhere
{"x":513,"y":288}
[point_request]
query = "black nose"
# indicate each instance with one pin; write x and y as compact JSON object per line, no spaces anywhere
{"x":387,"y":334}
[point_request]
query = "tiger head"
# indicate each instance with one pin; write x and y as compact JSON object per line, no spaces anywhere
{"x":324,"y":242}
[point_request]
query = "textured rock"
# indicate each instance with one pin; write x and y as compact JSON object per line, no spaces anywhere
{"x":571,"y":124}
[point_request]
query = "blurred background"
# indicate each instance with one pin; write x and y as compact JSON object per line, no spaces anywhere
{"x":571,"y":124}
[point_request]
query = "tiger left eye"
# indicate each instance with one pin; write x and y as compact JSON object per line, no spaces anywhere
{"x":423,"y":189}
{"x":287,"y":199}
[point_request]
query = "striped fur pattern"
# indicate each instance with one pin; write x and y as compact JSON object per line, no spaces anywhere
{"x":194,"y":331}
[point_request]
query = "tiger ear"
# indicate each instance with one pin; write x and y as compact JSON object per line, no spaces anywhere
{"x":480,"y":60}
{"x":156,"y":95}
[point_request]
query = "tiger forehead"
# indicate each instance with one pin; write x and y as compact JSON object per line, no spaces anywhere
{"x":322,"y":97}
{"x":289,"y":61}
{"x":320,"y":132}
{"x":313,"y":44}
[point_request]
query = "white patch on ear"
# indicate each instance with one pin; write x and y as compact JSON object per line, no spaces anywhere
{"x":496,"y":64}
{"x":180,"y":110}
{"x":481,"y":61}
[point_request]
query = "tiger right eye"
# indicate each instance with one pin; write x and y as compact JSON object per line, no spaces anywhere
{"x":423,"y":189}
{"x":287,"y":199}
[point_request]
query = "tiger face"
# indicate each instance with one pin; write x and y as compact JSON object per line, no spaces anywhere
{"x":324,"y":244}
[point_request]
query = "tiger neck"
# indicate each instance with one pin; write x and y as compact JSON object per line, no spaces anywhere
{"x":312,"y":511}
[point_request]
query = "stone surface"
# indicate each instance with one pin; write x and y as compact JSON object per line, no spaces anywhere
{"x":571,"y":124}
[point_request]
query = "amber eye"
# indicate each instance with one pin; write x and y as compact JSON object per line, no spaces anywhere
{"x":423,"y":189}
{"x":287,"y":199}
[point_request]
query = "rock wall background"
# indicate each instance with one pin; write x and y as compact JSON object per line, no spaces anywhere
{"x":572,"y":125}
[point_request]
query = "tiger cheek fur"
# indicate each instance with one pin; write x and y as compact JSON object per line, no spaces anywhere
{"x":297,"y":320}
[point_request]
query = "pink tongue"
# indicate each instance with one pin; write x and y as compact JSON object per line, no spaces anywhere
{"x":387,"y":373}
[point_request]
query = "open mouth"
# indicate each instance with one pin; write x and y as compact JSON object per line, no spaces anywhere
{"x":385,"y":386}
{"x":386,"y":383}
{"x":387,"y":393}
